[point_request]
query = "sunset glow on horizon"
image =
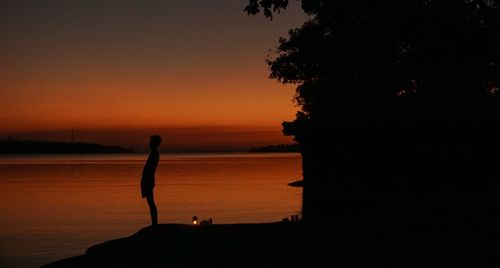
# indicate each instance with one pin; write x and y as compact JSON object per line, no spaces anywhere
{"x":139,"y":65}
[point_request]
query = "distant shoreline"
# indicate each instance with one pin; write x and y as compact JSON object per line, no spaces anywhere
{"x":22,"y":147}
{"x":280,"y":148}
{"x":39,"y":147}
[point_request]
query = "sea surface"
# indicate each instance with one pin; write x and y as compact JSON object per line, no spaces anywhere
{"x":57,"y":206}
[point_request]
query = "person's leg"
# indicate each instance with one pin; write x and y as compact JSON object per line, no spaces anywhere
{"x":152,"y":209}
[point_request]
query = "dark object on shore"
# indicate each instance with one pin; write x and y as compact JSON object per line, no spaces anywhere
{"x":12,"y":146}
{"x":206,"y":222}
{"x":195,"y":221}
{"x":293,"y":218}
{"x":299,"y":183}
{"x":281,"y":148}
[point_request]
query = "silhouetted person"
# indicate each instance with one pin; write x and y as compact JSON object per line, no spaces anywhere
{"x":148,"y":177}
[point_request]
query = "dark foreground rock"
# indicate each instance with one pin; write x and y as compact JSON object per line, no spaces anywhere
{"x":294,"y":244}
{"x":175,"y":245}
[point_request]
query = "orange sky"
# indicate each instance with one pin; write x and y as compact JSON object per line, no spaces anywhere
{"x":143,"y":65}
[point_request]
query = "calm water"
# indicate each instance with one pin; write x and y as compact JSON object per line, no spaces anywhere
{"x":53,"y":207}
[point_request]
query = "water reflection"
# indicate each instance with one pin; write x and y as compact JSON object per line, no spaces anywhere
{"x":53,"y":207}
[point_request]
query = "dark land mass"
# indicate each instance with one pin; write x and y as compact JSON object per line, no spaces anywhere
{"x":288,"y":244}
{"x":55,"y":147}
{"x":280,"y":148}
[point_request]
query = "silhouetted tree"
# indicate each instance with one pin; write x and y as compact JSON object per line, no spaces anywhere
{"x":387,"y":72}
{"x":364,"y":48}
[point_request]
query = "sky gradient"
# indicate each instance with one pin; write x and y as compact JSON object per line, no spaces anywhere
{"x":141,"y":66}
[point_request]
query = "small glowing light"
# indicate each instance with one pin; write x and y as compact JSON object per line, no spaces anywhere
{"x":495,"y":90}
{"x":195,"y":220}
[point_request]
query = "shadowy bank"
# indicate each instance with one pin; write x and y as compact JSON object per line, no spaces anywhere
{"x":12,"y":146}
{"x":364,"y":243}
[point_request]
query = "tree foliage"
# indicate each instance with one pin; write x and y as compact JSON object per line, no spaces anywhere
{"x":366,"y":49}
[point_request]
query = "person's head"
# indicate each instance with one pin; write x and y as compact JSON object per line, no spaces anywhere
{"x":154,"y":142}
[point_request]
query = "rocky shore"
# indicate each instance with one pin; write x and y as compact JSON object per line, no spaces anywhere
{"x":292,"y":244}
